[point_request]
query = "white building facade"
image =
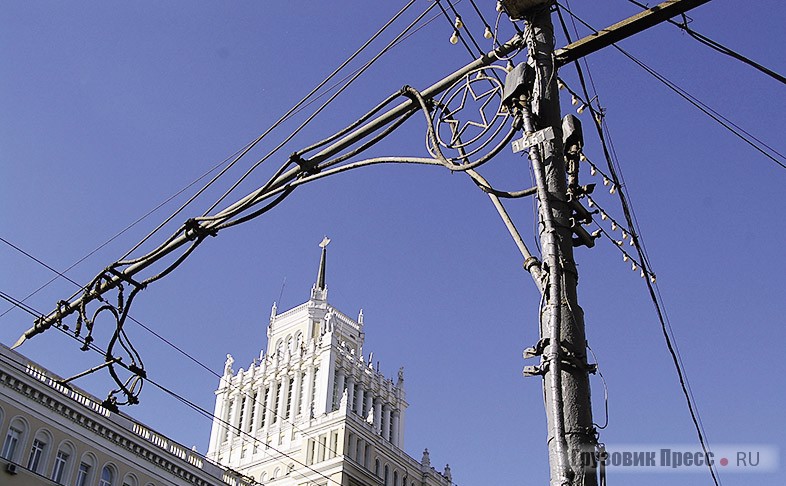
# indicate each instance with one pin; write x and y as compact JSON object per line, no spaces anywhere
{"x":57,"y":434}
{"x":312,"y":410}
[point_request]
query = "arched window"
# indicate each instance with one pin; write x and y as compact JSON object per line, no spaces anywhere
{"x":386,"y":480}
{"x":130,"y":480}
{"x":39,"y":450}
{"x":107,"y":476}
{"x":62,"y":467}
{"x":14,"y":439}
{"x":376,"y":468}
{"x":84,"y":475}
{"x":395,"y":478}
{"x":280,"y":347}
{"x":299,"y":342}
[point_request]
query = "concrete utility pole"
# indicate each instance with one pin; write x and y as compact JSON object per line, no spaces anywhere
{"x":563,"y":342}
{"x":572,"y":438}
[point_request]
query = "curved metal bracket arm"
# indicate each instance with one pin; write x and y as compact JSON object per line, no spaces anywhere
{"x":201,"y":227}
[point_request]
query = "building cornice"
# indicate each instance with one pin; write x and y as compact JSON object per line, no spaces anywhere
{"x":84,"y":411}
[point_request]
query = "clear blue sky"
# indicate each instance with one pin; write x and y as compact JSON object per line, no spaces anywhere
{"x":108,"y":108}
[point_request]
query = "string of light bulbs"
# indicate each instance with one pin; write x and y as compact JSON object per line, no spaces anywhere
{"x":644,"y":272}
{"x":611,"y":158}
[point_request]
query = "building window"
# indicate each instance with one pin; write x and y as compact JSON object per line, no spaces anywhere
{"x":276,"y":396}
{"x":36,"y":452}
{"x":241,"y":413}
{"x":225,"y":433}
{"x":264,"y":407}
{"x":11,"y":441}
{"x":130,"y":480}
{"x":107,"y":477}
{"x":312,"y":399}
{"x":83,"y":476}
{"x":253,"y":412}
{"x":299,"y":404}
{"x":289,"y":397}
{"x":61,"y":463}
{"x":386,"y":479}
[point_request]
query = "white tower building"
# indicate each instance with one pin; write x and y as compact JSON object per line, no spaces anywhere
{"x":313,"y":410}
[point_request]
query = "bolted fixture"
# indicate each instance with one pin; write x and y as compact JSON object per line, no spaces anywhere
{"x":518,"y":9}
{"x":519,"y":81}
{"x":572,"y":137}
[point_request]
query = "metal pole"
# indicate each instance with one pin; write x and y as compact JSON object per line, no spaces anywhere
{"x":566,"y":376}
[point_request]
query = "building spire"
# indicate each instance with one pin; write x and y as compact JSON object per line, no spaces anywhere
{"x":321,"y":274}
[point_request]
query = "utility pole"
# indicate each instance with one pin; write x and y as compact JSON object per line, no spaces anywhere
{"x":533,"y":95}
{"x":562,"y":344}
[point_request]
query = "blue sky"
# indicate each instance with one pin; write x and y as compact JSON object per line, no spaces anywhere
{"x":107,"y":109}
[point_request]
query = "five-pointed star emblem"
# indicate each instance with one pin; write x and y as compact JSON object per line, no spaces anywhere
{"x":456,"y":129}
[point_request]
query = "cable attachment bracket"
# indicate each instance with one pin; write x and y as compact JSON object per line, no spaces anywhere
{"x":307,"y":166}
{"x":122,"y":276}
{"x":194,"y":230}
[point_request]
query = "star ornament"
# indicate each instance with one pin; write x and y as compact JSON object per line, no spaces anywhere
{"x":492,"y":91}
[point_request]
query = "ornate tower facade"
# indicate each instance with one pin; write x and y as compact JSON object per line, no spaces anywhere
{"x":313,"y":410}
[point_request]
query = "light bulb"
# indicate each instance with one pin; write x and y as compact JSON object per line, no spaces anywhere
{"x":603,"y":216}
{"x":454,"y":38}
{"x":613,"y":226}
{"x":596,"y":233}
{"x":642,"y":274}
{"x":652,"y":277}
{"x":574,"y":101}
{"x":613,"y":189}
{"x":593,"y":170}
{"x":633,"y":267}
{"x":458,"y":23}
{"x":624,"y":235}
{"x":560,"y":84}
{"x":606,"y":181}
{"x":624,"y":257}
{"x":598,"y":117}
{"x":500,"y":8}
{"x":582,"y":157}
{"x":487,"y":34}
{"x":581,"y":109}
{"x":631,"y":241}
{"x":590,"y":202}
{"x":619,"y":242}
{"x":509,"y":67}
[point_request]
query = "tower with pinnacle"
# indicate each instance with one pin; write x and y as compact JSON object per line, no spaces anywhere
{"x":313,"y":409}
